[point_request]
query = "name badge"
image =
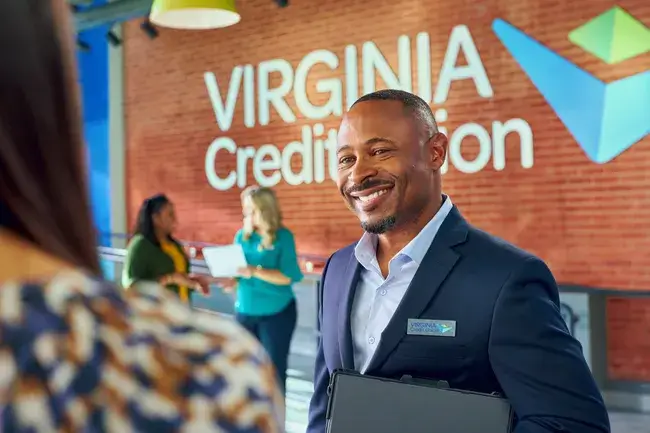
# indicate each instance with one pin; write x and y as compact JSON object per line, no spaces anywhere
{"x":437,"y":328}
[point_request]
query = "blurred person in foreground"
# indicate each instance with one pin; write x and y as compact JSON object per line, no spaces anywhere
{"x":488,"y":312}
{"x":266,"y":305}
{"x":154,"y":254}
{"x":76,"y":353}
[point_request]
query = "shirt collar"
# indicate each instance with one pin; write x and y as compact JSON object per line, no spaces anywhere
{"x":365,"y":250}
{"x":419,"y":245}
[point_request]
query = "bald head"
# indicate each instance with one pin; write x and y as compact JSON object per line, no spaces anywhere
{"x":413,"y":106}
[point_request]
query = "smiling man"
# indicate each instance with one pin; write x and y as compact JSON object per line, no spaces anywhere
{"x":426,"y":294}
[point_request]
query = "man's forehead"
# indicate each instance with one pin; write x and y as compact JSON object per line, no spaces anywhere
{"x":376,"y":119}
{"x":377,"y":109}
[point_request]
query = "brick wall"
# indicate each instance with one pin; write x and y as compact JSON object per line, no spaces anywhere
{"x":586,"y":220}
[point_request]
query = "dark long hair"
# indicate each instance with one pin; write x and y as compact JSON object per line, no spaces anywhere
{"x":43,"y":195}
{"x":149,"y":208}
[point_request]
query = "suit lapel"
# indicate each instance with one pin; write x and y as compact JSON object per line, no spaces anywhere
{"x":348,"y":287}
{"x":438,"y":262}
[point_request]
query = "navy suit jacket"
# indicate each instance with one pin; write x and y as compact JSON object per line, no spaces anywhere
{"x":510,"y":336}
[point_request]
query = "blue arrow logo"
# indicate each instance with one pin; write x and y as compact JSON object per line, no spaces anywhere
{"x":605,"y":119}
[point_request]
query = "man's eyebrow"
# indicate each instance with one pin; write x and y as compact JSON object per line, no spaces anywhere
{"x":369,"y":142}
{"x":375,"y":140}
{"x":342,"y":148}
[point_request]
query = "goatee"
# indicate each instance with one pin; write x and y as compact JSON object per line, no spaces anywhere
{"x":379,"y":227}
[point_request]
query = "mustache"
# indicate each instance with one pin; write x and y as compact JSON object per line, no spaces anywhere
{"x":367,"y":184}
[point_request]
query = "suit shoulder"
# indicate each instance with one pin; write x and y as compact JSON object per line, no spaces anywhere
{"x":505,"y":262}
{"x":341,"y":257}
{"x":498,"y":248}
{"x":344,"y":253}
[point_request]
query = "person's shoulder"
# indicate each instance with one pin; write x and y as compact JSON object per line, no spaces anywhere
{"x":498,"y":248}
{"x":341,"y":256}
{"x":284,"y":235}
{"x":506,"y":259}
{"x":201,"y":347}
{"x":48,"y":299}
{"x":48,"y":329}
{"x":345,"y":251}
{"x":284,"y":238}
{"x":138,"y":241}
{"x":145,"y":341}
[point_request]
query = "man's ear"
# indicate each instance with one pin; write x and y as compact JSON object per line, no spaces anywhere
{"x":437,"y":145}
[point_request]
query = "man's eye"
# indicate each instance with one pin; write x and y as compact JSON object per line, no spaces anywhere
{"x":345,"y":160}
{"x":379,"y":151}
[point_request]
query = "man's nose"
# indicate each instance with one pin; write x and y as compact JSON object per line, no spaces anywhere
{"x":362,"y":170}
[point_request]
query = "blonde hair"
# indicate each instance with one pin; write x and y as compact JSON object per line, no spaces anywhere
{"x":266,"y":203}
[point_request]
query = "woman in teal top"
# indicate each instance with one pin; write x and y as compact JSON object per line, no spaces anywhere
{"x":266,"y":305}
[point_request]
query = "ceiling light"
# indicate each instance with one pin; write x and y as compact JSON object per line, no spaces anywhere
{"x":194,"y":14}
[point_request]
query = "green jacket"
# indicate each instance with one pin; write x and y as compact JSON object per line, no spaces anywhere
{"x":145,"y":261}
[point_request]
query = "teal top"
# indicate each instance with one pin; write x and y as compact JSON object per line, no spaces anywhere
{"x":259,"y":298}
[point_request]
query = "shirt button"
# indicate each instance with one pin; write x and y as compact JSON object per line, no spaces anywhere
{"x":371,"y":340}
{"x":383,"y":292}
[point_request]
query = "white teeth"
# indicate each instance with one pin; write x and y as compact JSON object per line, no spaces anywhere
{"x":372,"y":196}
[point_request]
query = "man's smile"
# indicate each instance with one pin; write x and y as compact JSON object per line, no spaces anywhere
{"x":370,"y":198}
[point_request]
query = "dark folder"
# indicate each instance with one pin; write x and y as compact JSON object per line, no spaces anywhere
{"x":359,"y":403}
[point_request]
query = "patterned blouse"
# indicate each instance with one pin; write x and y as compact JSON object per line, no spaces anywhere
{"x":78,"y":355}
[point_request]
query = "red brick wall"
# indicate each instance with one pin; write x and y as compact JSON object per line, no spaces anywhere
{"x":586,"y":220}
{"x":628,"y":342}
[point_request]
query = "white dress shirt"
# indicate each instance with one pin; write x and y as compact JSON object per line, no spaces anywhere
{"x":376,"y":298}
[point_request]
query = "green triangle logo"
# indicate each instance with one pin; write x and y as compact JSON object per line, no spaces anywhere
{"x":596,"y":35}
{"x":631,"y":37}
{"x":613,"y":36}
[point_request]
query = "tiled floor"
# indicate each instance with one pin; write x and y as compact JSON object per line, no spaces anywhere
{"x":630,"y":423}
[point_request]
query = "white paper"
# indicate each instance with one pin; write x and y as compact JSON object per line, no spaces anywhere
{"x":224,"y":261}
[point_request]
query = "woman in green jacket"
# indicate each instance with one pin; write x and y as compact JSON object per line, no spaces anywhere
{"x":154,"y":254}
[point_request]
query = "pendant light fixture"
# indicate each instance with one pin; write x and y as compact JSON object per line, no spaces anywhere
{"x":194,"y":14}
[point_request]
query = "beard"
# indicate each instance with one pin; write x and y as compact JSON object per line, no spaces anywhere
{"x":379,"y":227}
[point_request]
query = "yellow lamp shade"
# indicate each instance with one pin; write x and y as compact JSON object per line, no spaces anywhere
{"x":194,"y":14}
